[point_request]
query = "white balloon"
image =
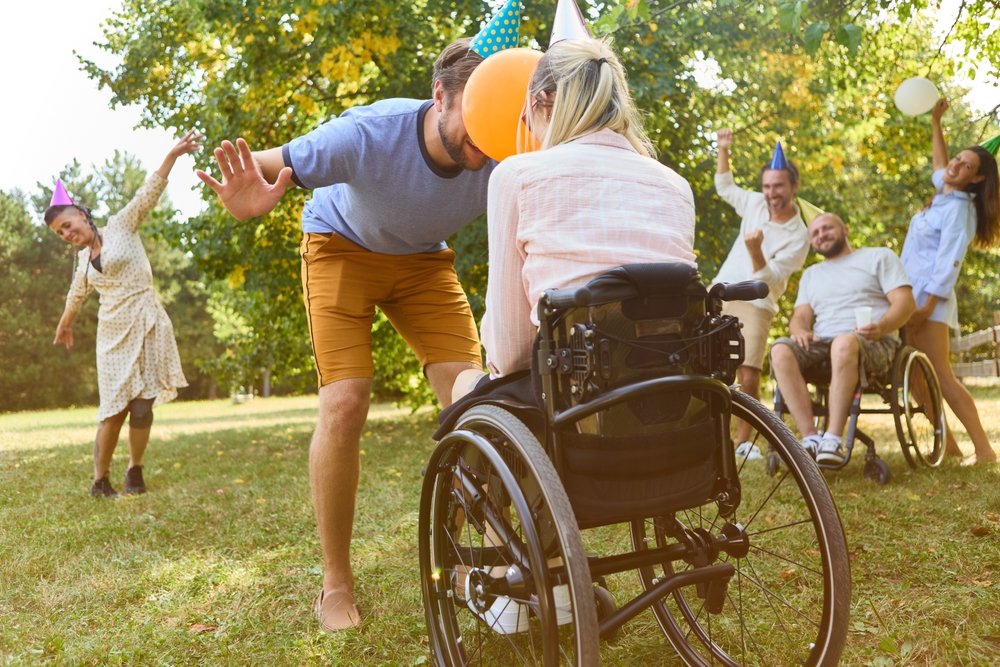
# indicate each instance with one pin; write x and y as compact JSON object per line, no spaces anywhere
{"x":916,"y":96}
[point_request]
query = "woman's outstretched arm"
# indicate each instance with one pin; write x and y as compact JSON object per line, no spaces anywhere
{"x":939,"y":153}
{"x":146,"y":196}
{"x":188,"y":144}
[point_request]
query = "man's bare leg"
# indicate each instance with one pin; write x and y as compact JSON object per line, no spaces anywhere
{"x":442,"y":377}
{"x":334,"y":468}
{"x":793,"y":388}
{"x":844,"y":362}
{"x":749,"y":379}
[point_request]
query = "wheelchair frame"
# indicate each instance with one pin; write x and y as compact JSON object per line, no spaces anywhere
{"x":892,"y":390}
{"x":564,"y":371}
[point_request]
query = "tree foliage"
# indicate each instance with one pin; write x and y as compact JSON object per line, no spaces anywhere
{"x":819,"y":75}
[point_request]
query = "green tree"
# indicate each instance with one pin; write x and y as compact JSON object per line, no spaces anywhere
{"x":35,"y":270}
{"x":818,"y":75}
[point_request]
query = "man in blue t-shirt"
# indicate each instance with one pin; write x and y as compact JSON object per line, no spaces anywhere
{"x":390,"y":183}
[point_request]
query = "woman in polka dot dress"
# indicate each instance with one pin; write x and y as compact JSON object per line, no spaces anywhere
{"x":138,"y":366}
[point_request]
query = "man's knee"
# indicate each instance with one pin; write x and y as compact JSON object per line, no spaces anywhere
{"x":844,"y":349}
{"x":782,"y":356}
{"x":343,"y":402}
{"x":140,"y":413}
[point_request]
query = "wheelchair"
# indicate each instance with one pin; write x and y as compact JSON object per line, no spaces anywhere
{"x":624,"y":424}
{"x":912,"y":395}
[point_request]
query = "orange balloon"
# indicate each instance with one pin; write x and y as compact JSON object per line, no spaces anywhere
{"x":494,"y":100}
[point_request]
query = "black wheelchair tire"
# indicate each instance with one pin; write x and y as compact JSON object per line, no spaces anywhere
{"x":688,"y":635}
{"x":906,"y":428}
{"x":520,"y":446}
{"x":878,"y":471}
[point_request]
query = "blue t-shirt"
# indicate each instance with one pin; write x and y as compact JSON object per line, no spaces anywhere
{"x":375,"y":185}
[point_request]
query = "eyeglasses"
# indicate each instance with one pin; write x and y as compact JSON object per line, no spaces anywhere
{"x":537,"y":102}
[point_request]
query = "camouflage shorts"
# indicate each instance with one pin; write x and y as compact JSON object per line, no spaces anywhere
{"x":874,"y":356}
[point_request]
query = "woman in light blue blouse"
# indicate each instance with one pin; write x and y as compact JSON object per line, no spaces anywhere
{"x":965,"y":209}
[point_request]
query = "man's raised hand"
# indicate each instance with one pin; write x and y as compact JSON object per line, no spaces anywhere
{"x":724,"y":138}
{"x":244,"y":191}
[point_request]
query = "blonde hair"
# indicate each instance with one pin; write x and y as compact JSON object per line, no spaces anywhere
{"x":591,"y":94}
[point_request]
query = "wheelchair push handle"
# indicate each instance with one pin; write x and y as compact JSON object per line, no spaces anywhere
{"x":572,"y":297}
{"x":748,"y":290}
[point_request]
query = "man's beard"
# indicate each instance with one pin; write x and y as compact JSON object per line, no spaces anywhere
{"x":834,"y":249}
{"x":455,"y":150}
{"x":780,"y":200}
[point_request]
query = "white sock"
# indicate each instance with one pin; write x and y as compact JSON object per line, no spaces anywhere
{"x":836,"y":438}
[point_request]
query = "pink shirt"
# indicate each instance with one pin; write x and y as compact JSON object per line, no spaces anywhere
{"x":560,"y":217}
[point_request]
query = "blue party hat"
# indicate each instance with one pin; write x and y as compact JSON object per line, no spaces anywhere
{"x":501,"y":32}
{"x":778,"y":161}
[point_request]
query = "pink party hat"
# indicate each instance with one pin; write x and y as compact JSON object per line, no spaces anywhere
{"x":568,"y":23}
{"x":60,"y":197}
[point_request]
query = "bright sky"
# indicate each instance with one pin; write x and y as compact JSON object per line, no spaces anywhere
{"x":54,"y":113}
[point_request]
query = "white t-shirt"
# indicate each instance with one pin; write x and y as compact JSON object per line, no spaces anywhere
{"x":835,"y":287}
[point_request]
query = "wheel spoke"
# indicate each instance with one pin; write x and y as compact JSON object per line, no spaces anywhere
{"x":784,"y":628}
{"x":787,"y":560}
{"x":753,"y":578}
{"x":781,"y":527}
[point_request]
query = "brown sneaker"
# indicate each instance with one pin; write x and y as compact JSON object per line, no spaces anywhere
{"x":337,"y":611}
{"x":134,"y":484}
{"x":102,"y":488}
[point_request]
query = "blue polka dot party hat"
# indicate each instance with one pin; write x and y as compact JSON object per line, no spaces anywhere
{"x":501,"y":32}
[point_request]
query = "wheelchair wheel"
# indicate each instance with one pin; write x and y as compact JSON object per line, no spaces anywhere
{"x":504,"y":575}
{"x":789,"y":601}
{"x":917,"y":408}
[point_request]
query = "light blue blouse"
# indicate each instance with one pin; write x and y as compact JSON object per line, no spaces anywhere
{"x":935,"y":248}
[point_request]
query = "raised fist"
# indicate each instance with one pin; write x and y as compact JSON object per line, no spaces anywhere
{"x":724,"y":138}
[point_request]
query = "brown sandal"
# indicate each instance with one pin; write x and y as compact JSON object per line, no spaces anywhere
{"x":337,"y":611}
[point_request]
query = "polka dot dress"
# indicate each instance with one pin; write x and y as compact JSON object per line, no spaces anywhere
{"x":136,"y":351}
{"x":501,"y":32}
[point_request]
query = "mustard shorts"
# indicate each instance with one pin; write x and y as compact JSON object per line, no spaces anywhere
{"x":420,"y":294}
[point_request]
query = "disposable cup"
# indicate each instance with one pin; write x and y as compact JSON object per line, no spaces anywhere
{"x":863,"y":316}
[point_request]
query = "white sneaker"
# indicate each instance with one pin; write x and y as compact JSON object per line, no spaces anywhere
{"x":507,"y":617}
{"x":810,"y":443}
{"x":504,"y":616}
{"x":748,"y":451}
{"x":830,"y":450}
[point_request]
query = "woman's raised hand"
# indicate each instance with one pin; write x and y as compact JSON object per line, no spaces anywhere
{"x":189,"y":143}
{"x":939,"y":108}
{"x":244,"y":191}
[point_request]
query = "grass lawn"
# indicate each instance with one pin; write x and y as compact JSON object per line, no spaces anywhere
{"x":220,"y":562}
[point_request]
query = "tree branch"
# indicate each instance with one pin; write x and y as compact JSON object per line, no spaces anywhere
{"x":944,"y":41}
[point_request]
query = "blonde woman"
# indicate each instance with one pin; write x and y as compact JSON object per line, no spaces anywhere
{"x":591,"y":199}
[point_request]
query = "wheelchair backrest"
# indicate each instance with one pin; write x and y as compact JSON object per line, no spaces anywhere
{"x":644,"y":321}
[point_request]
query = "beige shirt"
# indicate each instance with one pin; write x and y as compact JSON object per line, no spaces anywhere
{"x":560,"y":217}
{"x":785,"y":245}
{"x":136,"y":351}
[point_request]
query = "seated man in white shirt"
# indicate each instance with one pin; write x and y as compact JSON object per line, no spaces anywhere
{"x":828,"y":294}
